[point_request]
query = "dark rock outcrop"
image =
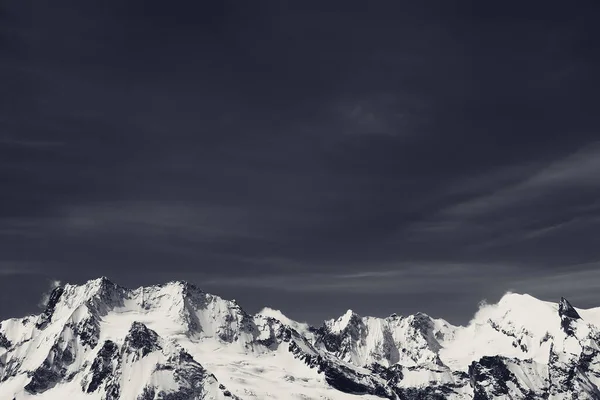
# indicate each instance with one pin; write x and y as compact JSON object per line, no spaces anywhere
{"x":53,"y":300}
{"x":103,"y":365}
{"x":141,"y":339}
{"x":490,"y":378}
{"x":567,"y":314}
{"x":4,"y":342}
{"x":337,"y":375}
{"x":52,"y":370}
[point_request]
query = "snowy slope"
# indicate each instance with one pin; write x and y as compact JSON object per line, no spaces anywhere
{"x":100,"y":341}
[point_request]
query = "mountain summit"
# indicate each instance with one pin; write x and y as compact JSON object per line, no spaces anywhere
{"x":101,"y":341}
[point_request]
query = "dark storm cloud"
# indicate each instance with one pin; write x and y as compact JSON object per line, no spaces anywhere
{"x":299,"y":154}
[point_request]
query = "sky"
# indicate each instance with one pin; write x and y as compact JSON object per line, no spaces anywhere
{"x":304,"y":155}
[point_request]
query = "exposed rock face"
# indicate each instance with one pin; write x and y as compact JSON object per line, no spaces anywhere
{"x":175,"y":342}
{"x":189,"y":378}
{"x":53,"y":300}
{"x":140,"y":339}
{"x":491,"y":378}
{"x":567,"y":315}
{"x":342,"y":377}
{"x":4,"y":342}
{"x":410,"y":341}
{"x":104,"y":365}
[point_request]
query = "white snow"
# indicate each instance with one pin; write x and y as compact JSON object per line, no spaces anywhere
{"x":216,"y":333}
{"x":301,"y":327}
{"x":502,"y":328}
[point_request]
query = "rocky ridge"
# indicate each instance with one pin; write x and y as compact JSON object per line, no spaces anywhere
{"x":174,"y":341}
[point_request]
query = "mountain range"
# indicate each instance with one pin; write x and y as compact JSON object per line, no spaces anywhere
{"x":101,"y":341}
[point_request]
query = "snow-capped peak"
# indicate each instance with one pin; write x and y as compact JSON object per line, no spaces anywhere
{"x":344,"y":321}
{"x":278,"y":315}
{"x":100,"y":341}
{"x":565,"y":309}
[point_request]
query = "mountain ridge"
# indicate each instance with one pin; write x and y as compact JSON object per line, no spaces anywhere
{"x":103,"y":341}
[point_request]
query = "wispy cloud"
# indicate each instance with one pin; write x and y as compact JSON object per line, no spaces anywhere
{"x":29,"y":143}
{"x":8,"y":268}
{"x":518,"y":204}
{"x":579,"y":169}
{"x":406,"y":278}
{"x":155,"y":217}
{"x":578,"y":282}
{"x":378,"y":115}
{"x":581,"y":283}
{"x":561,"y":226}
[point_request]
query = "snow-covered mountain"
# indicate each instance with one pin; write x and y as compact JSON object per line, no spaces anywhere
{"x":100,"y":341}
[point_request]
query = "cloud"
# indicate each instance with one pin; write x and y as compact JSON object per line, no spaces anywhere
{"x":580,"y":283}
{"x":157,"y":218}
{"x":377,"y":115}
{"x":8,"y":268}
{"x":569,"y":223}
{"x":526,"y":204}
{"x":415,"y":277}
{"x":39,"y":144}
{"x":577,"y":170}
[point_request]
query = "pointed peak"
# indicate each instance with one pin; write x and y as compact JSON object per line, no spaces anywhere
{"x":101,"y":286}
{"x":420,"y":315}
{"x":420,"y":318}
{"x":568,"y":315}
{"x":180,"y":283}
{"x":341,"y":323}
{"x":100,"y":282}
{"x":566,"y":310}
{"x":349,"y":312}
{"x":137,"y":326}
{"x":349,"y":316}
{"x":281,"y":317}
{"x":272,"y":313}
{"x":104,"y":290}
{"x":141,"y":338}
{"x":185,"y":286}
{"x":98,"y":294}
{"x":511,"y":298}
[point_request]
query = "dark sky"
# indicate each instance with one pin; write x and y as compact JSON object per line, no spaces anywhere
{"x":384,"y":156}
